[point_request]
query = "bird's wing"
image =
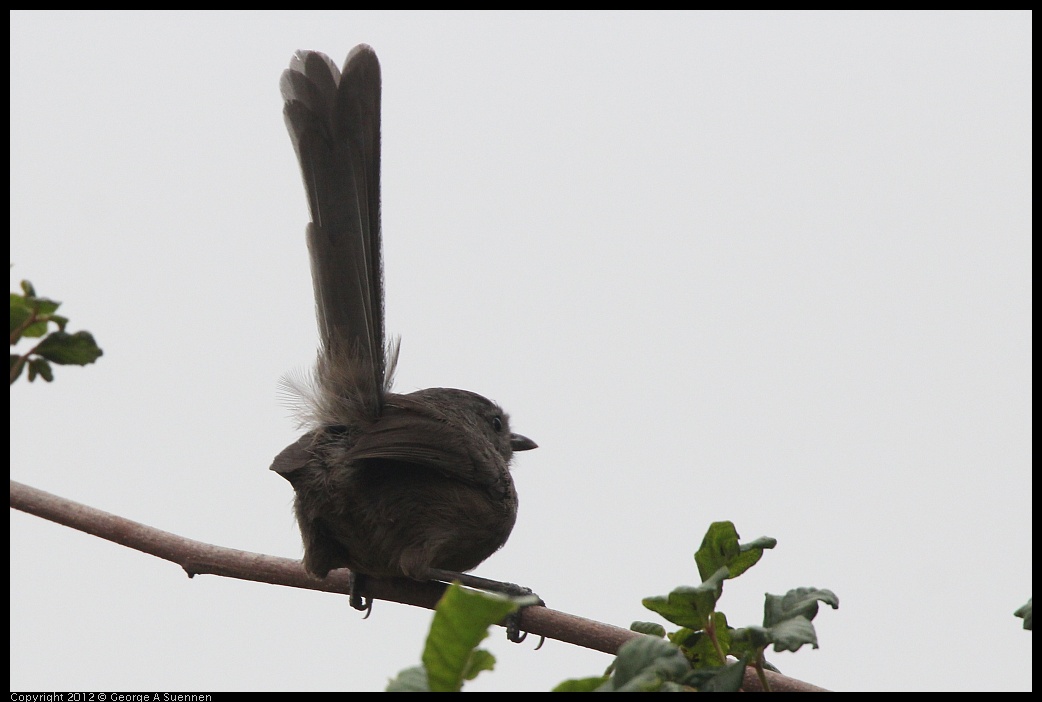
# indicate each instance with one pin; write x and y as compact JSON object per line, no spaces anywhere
{"x":420,"y":436}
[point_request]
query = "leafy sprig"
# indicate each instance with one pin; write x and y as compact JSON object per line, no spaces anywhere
{"x":32,"y":317}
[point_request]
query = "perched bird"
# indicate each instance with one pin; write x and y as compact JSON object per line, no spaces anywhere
{"x":388,"y":485}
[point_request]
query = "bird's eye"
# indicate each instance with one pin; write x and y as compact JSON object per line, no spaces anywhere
{"x":497,"y":424}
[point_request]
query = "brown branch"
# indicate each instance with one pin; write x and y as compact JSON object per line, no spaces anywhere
{"x":198,"y":558}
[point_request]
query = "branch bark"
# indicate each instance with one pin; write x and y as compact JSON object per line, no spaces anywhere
{"x":198,"y":558}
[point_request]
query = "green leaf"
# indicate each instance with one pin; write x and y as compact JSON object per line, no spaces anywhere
{"x":479,"y":660}
{"x":69,"y":349}
{"x":720,"y":548}
{"x":35,"y":330}
{"x":690,"y":606}
{"x":749,"y":640}
{"x":20,"y":312}
{"x":16,"y":360}
{"x":22,"y":309}
{"x":728,"y":678}
{"x":684,"y":637}
{"x":1024,"y":612}
{"x":700,"y":650}
{"x":644,"y":664}
{"x":43,"y":306}
{"x":650,"y":628}
{"x":787,"y":620}
{"x":410,"y":680}
{"x":27,"y":305}
{"x":40,"y":367}
{"x":793,"y":633}
{"x":801,"y":601}
{"x":581,"y":684}
{"x":461,"y":622}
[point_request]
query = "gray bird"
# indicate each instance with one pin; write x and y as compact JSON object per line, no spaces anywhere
{"x":387,"y":485}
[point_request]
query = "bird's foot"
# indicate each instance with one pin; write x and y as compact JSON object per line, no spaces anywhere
{"x":513,"y":621}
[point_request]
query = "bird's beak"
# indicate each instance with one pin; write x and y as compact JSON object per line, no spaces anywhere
{"x":522,"y":443}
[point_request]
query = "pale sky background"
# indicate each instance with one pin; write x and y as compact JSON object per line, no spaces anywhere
{"x":771,"y":267}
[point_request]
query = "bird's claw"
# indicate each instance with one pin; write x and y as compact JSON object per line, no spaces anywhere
{"x":357,"y":599}
{"x":513,"y":626}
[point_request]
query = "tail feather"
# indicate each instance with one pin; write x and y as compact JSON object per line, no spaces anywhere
{"x":334,"y":123}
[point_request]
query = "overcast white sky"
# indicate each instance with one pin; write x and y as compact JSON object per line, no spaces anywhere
{"x":772,"y":268}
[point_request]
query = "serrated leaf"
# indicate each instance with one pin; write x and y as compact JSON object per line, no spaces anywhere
{"x":690,"y":606}
{"x":650,"y":628}
{"x":461,"y":622}
{"x":720,"y":548}
{"x":644,"y":663}
{"x":409,"y":680}
{"x":69,"y":349}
